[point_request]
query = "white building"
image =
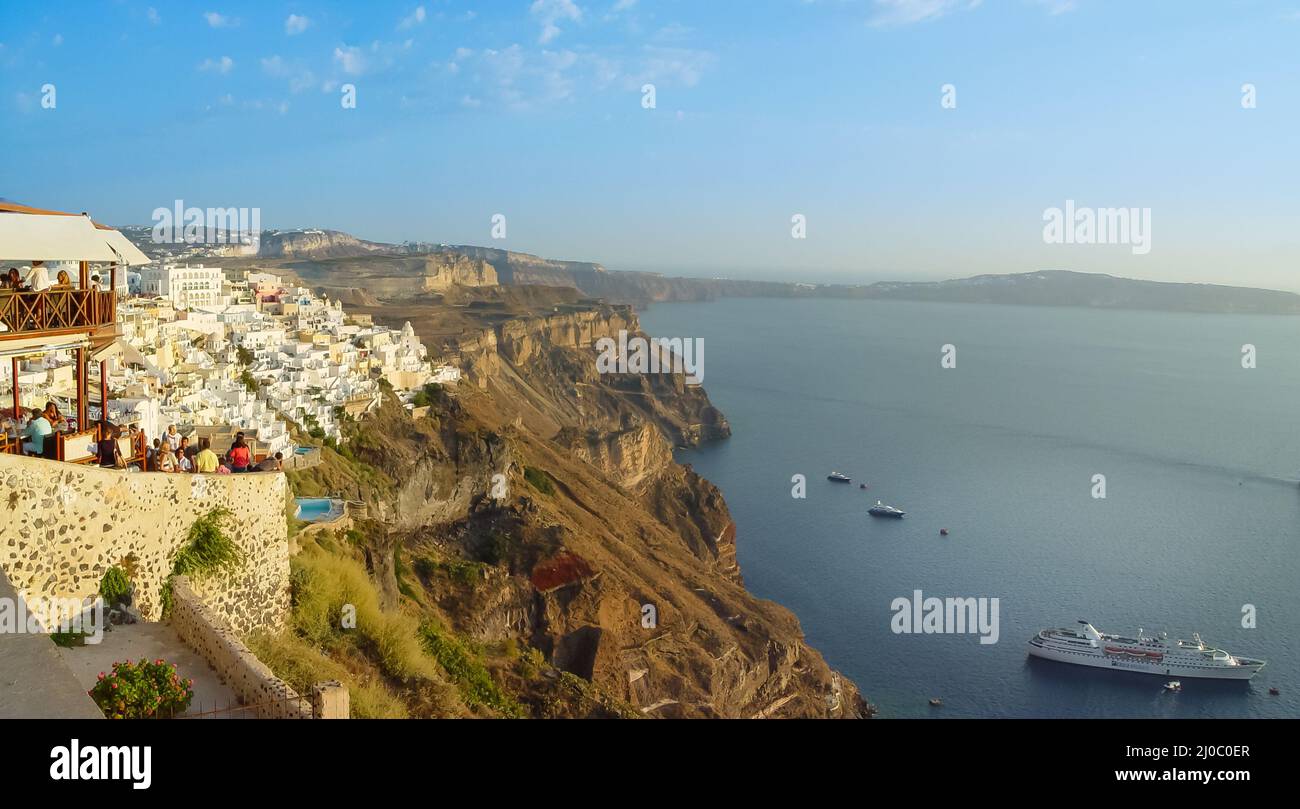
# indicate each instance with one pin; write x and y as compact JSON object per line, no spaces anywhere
{"x":184,"y":285}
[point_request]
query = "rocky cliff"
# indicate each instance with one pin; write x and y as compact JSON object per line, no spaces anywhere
{"x":315,"y":243}
{"x":443,"y":271}
{"x":587,"y":543}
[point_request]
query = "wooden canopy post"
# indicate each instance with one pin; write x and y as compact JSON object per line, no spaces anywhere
{"x":103,"y":391}
{"x":84,"y":275}
{"x":81,"y":389}
{"x":17,"y":401}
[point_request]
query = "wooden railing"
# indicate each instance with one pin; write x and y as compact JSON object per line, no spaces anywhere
{"x":77,"y":447}
{"x":53,"y":310}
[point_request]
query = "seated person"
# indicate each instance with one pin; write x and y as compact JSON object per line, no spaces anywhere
{"x":37,"y":430}
{"x":275,"y":464}
{"x":54,"y":417}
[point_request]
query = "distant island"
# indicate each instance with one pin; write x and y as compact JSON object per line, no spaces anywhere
{"x":346,"y":265}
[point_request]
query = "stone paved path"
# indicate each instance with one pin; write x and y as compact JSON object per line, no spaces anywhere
{"x":151,"y":641}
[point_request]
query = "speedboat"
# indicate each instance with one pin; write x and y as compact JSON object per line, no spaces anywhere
{"x":1173,"y":685}
{"x":836,"y":477}
{"x":882,"y":510}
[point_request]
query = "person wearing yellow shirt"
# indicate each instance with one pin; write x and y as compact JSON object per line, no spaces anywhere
{"x":206,"y":460}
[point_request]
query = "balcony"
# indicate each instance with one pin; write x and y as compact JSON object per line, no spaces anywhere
{"x":55,"y":311}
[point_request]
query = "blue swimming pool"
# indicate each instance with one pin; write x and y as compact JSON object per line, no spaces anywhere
{"x":318,"y":509}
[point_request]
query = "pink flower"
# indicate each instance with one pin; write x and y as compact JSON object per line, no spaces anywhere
{"x":114,"y":686}
{"x":101,"y":676}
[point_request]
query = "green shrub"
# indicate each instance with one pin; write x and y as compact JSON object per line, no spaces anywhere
{"x":142,"y":690}
{"x":463,"y":571}
{"x":68,"y":639}
{"x":470,"y":675}
{"x":539,"y":480}
{"x":495,"y":548}
{"x":424,"y":567}
{"x":206,"y":552}
{"x":115,"y":587}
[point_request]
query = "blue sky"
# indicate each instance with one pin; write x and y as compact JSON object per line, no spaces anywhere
{"x":765,"y":109}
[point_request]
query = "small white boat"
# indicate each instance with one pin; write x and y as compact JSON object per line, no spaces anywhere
{"x":1173,"y":685}
{"x":836,"y":477}
{"x":882,"y":510}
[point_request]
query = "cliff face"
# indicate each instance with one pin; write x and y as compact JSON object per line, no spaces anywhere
{"x":525,"y":268}
{"x":543,"y":370}
{"x":315,"y":244}
{"x":444,"y":271}
{"x":598,"y":550}
{"x":628,"y":457}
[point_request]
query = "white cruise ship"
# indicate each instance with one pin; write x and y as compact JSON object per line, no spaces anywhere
{"x":1086,"y":646}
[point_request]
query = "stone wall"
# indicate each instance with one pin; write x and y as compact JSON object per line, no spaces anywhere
{"x":63,"y":525}
{"x":199,"y":628}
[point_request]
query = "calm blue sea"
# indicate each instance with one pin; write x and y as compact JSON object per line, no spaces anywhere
{"x":1201,"y":459}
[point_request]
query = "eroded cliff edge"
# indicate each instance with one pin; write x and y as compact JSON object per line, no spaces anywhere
{"x":591,"y":544}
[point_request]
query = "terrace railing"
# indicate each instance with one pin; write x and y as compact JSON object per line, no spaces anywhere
{"x":24,"y":314}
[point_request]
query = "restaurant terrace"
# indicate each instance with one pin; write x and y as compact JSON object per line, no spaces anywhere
{"x":76,"y":314}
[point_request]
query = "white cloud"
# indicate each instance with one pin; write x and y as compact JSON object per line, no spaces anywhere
{"x":684,"y":66}
{"x":907,"y":12}
{"x":216,"y":20}
{"x":299,"y":76}
{"x":551,"y":12}
{"x":152,"y":16}
{"x":413,"y":19}
{"x":223,"y":65}
{"x":57,"y":41}
{"x":350,"y":60}
{"x":296,"y":24}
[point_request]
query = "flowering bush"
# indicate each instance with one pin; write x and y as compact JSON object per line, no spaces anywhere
{"x":142,"y":690}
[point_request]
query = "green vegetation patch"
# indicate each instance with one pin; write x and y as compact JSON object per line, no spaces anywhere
{"x":469,"y":674}
{"x":115,"y":587}
{"x":207,"y":552}
{"x":539,"y":480}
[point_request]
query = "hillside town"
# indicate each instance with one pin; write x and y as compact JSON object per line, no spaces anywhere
{"x":214,"y":353}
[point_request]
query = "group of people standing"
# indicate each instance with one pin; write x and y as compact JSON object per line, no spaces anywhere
{"x":174,"y":453}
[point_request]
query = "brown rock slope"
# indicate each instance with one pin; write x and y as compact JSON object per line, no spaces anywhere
{"x":540,"y":505}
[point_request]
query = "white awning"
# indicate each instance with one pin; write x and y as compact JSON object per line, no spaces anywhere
{"x":129,"y":253}
{"x":35,"y":237}
{"x":27,"y":346}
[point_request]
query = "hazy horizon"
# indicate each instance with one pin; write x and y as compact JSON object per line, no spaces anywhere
{"x":835,"y":110}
